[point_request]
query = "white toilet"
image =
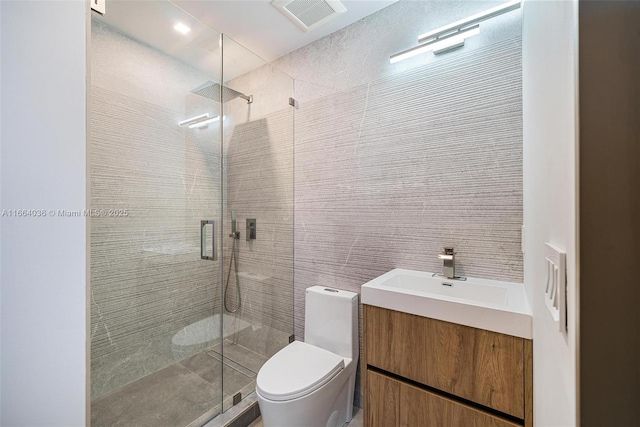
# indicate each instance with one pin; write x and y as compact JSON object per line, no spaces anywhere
{"x":311,"y":383}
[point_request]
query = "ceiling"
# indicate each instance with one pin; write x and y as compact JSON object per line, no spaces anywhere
{"x":258,"y":31}
{"x":151,"y":22}
{"x":261,"y":28}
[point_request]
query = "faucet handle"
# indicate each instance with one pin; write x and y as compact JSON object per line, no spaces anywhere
{"x":448,"y":254}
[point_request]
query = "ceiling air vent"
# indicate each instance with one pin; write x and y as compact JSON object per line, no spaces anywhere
{"x":309,"y":14}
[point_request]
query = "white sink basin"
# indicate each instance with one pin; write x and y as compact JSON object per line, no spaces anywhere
{"x":485,"y":304}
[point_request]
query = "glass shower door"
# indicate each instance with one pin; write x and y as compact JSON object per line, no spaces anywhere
{"x":188,"y":131}
{"x":257,"y":289}
{"x":155,"y":166}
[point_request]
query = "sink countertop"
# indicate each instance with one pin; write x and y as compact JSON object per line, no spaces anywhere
{"x":479,"y":303}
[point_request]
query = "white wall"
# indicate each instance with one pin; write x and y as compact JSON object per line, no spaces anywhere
{"x":0,"y":217}
{"x":43,"y":274}
{"x":550,"y":35}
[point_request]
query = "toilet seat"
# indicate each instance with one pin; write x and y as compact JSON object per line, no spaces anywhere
{"x":297,"y":370}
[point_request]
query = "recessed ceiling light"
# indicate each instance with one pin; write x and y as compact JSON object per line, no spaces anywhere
{"x":181,"y":28}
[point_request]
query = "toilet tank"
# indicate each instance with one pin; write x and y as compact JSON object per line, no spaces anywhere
{"x":331,"y":320}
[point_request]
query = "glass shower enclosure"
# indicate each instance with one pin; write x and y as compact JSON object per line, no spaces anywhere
{"x":191,"y":165}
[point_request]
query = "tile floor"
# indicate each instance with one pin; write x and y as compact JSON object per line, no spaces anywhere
{"x":189,"y":392}
{"x":174,"y":396}
{"x":356,"y":421}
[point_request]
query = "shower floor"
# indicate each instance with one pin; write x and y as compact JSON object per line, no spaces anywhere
{"x":189,"y":392}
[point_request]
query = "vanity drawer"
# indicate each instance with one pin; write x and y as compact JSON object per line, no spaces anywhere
{"x":481,"y":366}
{"x":394,"y":403}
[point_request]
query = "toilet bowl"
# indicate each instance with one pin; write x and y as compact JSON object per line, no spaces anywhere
{"x":311,"y":383}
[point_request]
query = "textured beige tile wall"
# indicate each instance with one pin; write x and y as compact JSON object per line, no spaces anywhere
{"x":259,"y":173}
{"x":391,"y":163}
{"x":147,"y":278}
{"x":389,"y":172}
{"x":395,"y":161}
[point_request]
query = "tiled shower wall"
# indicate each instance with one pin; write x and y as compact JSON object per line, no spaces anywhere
{"x":259,"y":172}
{"x":395,"y":161}
{"x":147,"y":278}
{"x":258,"y":165}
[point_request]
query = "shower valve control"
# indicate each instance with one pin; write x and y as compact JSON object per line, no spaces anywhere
{"x":251,"y":229}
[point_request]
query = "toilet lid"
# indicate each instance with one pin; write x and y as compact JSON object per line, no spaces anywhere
{"x":297,"y":370}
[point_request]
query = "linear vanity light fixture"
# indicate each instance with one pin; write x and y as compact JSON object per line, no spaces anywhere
{"x":439,"y":45}
{"x":472,"y":20}
{"x":453,"y":35}
{"x":194,"y":119}
{"x":204,"y":123}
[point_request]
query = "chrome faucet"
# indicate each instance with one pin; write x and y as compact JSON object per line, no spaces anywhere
{"x":449,"y":267}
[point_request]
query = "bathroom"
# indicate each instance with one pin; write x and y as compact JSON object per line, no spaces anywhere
{"x":357,"y":212}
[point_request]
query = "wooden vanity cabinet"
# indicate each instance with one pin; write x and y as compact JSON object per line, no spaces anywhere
{"x":426,"y":372}
{"x":396,"y":403}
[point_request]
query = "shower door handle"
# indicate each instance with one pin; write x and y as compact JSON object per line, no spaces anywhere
{"x":203,"y":240}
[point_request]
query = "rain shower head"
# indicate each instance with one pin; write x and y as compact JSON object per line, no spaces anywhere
{"x":211,"y":91}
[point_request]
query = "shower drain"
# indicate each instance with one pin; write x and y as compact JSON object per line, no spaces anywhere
{"x":237,"y":398}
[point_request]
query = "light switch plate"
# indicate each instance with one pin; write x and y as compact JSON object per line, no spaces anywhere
{"x":556,"y":285}
{"x":99,"y":6}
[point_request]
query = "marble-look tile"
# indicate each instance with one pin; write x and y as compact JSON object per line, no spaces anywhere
{"x":386,"y":164}
{"x":347,"y":58}
{"x":389,"y":172}
{"x":358,"y":418}
{"x":188,"y":393}
{"x":356,"y":421}
{"x":271,"y":89}
{"x":259,"y":173}
{"x":213,"y":370}
{"x":232,"y":364}
{"x":124,"y":65}
{"x":251,"y":347}
{"x":393,"y":162}
{"x":227,"y":418}
{"x":147,"y":279}
{"x":174,"y":396}
{"x":262,"y":340}
{"x":245,"y":419}
{"x":241,"y":355}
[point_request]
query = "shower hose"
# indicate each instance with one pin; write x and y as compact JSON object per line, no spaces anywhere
{"x":234,"y":262}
